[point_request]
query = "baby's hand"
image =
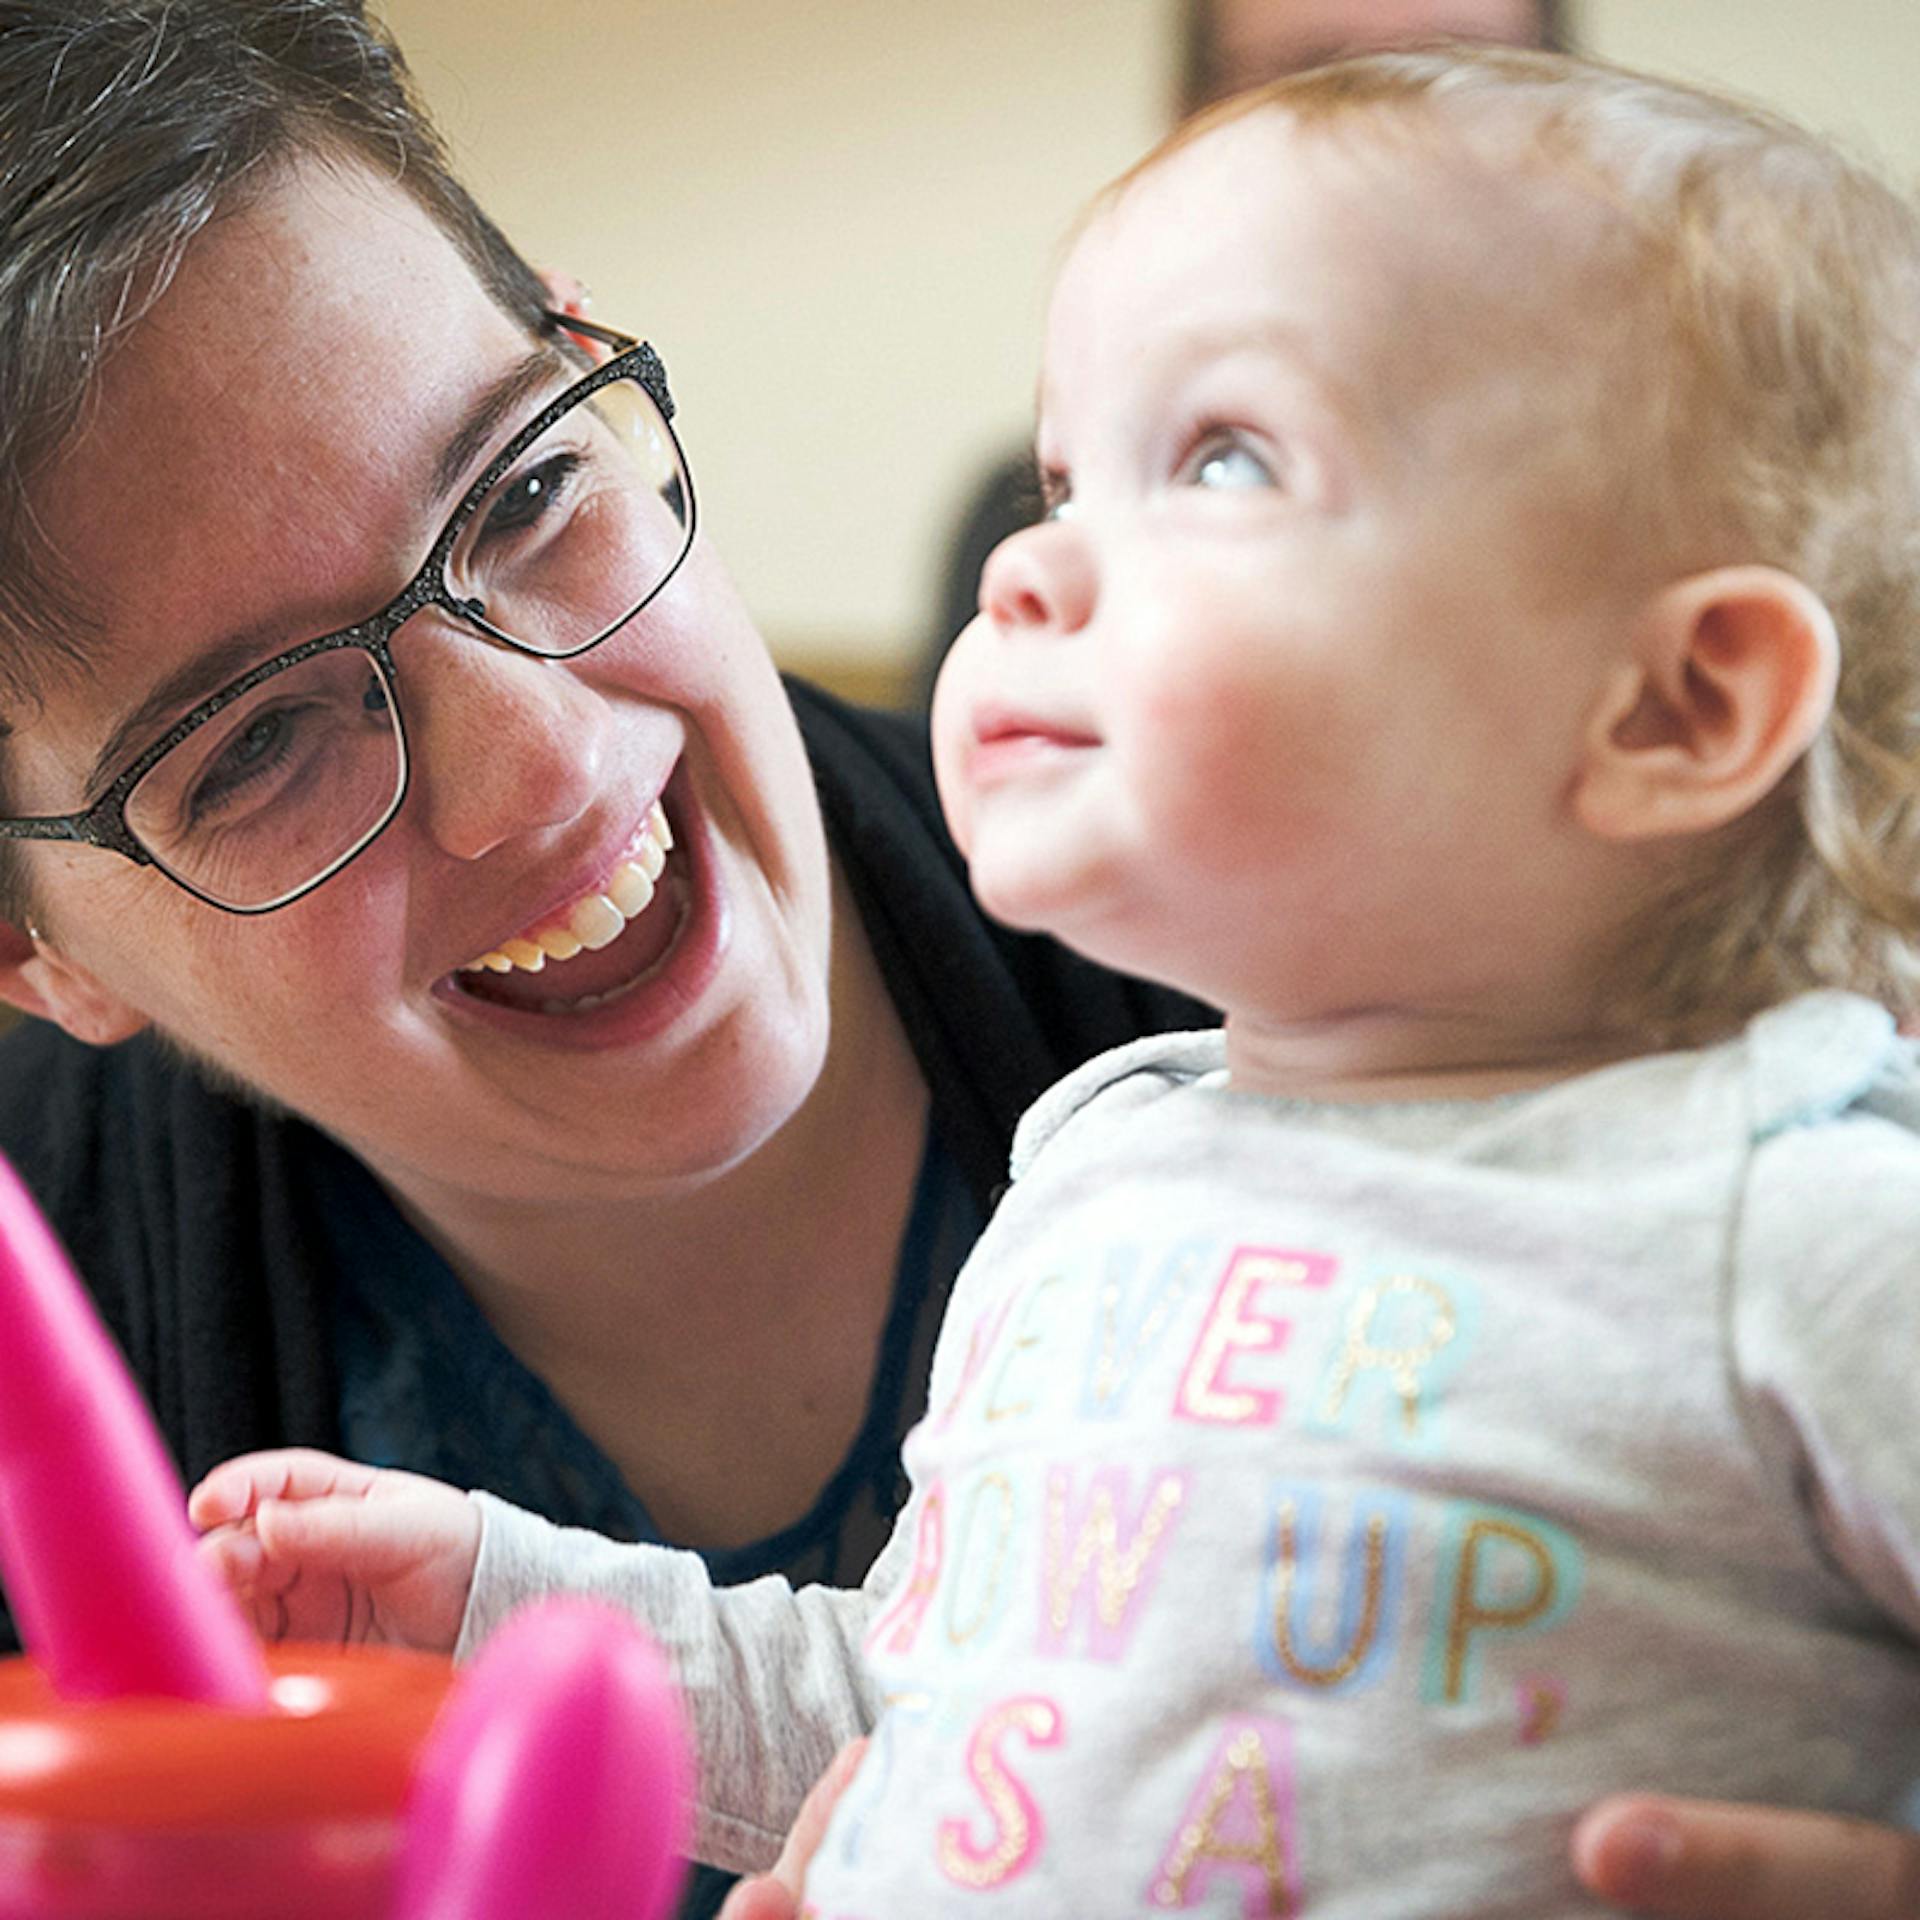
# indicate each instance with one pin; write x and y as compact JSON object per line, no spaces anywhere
{"x":318,"y":1548}
{"x":777,"y":1894}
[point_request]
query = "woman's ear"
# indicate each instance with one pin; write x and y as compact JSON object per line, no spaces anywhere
{"x":571,"y":298}
{"x":1731,"y":675}
{"x":38,"y":979}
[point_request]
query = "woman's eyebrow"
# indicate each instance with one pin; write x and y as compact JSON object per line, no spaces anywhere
{"x":493,"y":410}
{"x":206,"y":673}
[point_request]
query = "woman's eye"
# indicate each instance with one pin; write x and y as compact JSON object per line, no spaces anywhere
{"x":1226,"y":462}
{"x":261,"y":745}
{"x":523,"y":498}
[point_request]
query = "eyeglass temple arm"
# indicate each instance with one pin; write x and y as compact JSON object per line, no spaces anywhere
{"x":589,"y":330}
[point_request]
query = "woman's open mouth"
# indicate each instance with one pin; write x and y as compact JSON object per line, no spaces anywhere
{"x":606,"y":944}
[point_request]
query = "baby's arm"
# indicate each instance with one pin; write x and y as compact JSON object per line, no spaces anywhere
{"x":319,"y":1548}
{"x":1826,"y":1323}
{"x":773,"y":1679}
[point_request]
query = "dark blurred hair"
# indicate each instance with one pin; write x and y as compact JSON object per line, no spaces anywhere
{"x":1199,"y":79}
{"x":125,"y":127}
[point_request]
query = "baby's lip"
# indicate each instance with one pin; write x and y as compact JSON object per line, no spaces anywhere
{"x":993,"y":724}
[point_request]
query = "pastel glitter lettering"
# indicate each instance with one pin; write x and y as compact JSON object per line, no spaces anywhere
{"x":1397,"y":1330}
{"x":866,"y":1792}
{"x":1015,"y":1832}
{"x":899,"y":1626}
{"x":1501,"y":1574}
{"x":1238,"y":1826}
{"x":977,"y":1590}
{"x":1006,"y":1399}
{"x":1090,"y":1572}
{"x":980,"y":1342}
{"x":1237,"y":1324}
{"x":1353,"y":1571}
{"x":1132,"y":1325}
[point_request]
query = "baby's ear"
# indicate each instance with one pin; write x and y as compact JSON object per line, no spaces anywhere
{"x":1731,"y":674}
{"x":38,"y":979}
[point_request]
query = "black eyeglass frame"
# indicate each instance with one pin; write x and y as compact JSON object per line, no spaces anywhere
{"x":104,"y":823}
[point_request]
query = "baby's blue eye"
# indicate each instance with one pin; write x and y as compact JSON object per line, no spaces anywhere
{"x":1227,"y":463}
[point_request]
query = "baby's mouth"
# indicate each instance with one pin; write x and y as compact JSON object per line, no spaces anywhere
{"x":637,"y":909}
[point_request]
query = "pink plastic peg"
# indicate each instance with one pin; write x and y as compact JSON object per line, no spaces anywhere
{"x":557,"y":1783}
{"x":96,"y":1552}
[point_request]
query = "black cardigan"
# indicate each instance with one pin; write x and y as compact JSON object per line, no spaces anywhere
{"x":186,"y":1208}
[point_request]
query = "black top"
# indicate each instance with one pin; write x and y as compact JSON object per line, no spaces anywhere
{"x":193,"y":1213}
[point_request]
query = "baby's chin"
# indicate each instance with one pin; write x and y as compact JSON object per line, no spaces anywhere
{"x":1097,"y":929}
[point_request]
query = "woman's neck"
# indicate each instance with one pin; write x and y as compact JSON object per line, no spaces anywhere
{"x":673,"y":1323}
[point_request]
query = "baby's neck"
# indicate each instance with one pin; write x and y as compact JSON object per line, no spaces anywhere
{"x":1402,"y":1053}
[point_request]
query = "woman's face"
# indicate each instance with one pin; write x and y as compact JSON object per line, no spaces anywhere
{"x":260,"y":468}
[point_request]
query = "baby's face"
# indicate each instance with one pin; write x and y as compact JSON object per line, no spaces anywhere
{"x":1283,"y":701}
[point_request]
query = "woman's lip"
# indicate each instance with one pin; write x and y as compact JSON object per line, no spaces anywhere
{"x":678,"y":979}
{"x":592,"y":874}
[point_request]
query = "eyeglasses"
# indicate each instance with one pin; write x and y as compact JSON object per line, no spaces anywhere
{"x":270,"y":786}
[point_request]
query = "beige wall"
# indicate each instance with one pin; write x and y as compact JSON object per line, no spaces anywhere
{"x":836,"y":217}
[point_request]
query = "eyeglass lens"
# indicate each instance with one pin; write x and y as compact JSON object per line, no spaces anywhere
{"x":282,"y":785}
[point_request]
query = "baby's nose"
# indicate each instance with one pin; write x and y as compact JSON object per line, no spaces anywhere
{"x":1042,"y":579}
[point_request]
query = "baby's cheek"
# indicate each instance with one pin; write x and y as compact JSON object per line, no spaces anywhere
{"x":1198,"y":739}
{"x":955,"y":695}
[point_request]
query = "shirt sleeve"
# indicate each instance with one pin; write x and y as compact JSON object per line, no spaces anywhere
{"x":773,"y":1679}
{"x":1826,"y":1338}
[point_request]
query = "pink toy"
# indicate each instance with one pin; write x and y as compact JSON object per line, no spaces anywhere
{"x":155,"y":1765}
{"x":95,"y":1549}
{"x":556,"y":1784}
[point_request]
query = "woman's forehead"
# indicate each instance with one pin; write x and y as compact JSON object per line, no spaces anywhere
{"x":284,"y":403}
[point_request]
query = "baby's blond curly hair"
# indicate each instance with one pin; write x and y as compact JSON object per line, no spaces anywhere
{"x":1761,"y":405}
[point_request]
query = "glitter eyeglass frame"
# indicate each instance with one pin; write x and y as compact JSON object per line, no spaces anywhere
{"x":104,"y":823}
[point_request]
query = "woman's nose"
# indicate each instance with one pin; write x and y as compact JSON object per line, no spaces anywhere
{"x":1043,"y":579}
{"x":503,"y":743}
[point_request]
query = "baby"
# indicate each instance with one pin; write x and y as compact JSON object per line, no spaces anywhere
{"x":1474,"y":642}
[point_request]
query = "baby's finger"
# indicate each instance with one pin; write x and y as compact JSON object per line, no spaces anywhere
{"x":236,"y":1487}
{"x":258,"y":1587}
{"x":364,"y":1539}
{"x":234,"y":1554}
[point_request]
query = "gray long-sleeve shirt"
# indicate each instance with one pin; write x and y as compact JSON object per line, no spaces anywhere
{"x":1321,"y":1504}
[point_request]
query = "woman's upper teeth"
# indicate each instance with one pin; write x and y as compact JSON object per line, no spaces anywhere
{"x":596,"y":918}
